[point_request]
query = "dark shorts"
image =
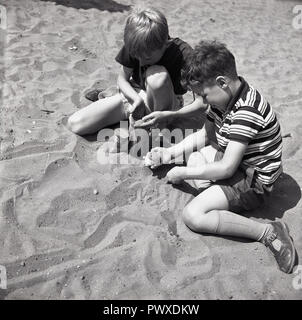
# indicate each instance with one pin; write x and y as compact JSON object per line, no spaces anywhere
{"x":243,"y":190}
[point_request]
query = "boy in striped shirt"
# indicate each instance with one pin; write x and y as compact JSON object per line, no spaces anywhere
{"x":237,"y":158}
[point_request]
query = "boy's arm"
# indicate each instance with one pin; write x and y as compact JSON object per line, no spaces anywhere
{"x":189,"y":110}
{"x":126,"y":88}
{"x":223,"y":169}
{"x":194,"y":141}
{"x":246,"y":125}
{"x":158,"y":156}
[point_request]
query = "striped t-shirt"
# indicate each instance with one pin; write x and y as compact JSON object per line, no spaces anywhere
{"x":250,"y":119}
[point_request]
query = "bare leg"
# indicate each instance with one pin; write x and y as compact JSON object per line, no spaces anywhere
{"x":199,"y":158}
{"x":97,"y":115}
{"x":208,"y":212}
{"x":160,"y":92}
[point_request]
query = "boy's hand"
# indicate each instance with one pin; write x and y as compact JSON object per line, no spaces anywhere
{"x":154,"y":118}
{"x":158,"y":156}
{"x":176,"y":175}
{"x":137,"y":108}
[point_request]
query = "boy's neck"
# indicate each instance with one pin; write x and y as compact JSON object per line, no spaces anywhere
{"x":234,"y":87}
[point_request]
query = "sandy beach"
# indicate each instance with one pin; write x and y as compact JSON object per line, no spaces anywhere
{"x":73,"y":228}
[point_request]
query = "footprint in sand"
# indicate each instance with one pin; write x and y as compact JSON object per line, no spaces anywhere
{"x":124,"y":194}
{"x":194,"y":261}
{"x":71,"y":207}
{"x":170,"y":267}
{"x":35,"y":147}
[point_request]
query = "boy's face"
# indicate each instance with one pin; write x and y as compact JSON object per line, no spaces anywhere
{"x":152,"y":57}
{"x":212,"y":94}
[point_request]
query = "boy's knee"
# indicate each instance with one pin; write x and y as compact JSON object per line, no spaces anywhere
{"x":200,"y":221}
{"x":192,"y":217}
{"x":74,"y":123}
{"x":157,"y":77}
{"x":196,"y":159}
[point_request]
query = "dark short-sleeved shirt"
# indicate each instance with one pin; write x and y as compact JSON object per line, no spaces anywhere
{"x":251,"y":119}
{"x":173,"y":59}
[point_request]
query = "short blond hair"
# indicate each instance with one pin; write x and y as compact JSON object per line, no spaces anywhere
{"x":146,"y":30}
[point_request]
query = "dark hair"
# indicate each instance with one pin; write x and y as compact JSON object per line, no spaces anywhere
{"x":209,"y":60}
{"x":146,"y":30}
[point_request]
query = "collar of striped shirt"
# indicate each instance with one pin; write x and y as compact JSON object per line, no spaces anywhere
{"x":242,"y":89}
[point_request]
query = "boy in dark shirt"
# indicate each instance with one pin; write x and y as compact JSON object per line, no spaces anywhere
{"x":149,"y":82}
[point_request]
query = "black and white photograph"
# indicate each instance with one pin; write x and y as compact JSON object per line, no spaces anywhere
{"x":150,"y":150}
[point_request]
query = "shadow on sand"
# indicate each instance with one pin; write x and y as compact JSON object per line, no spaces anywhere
{"x":109,"y":5}
{"x":285,"y":196}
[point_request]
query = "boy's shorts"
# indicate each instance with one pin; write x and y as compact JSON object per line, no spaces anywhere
{"x":243,"y":191}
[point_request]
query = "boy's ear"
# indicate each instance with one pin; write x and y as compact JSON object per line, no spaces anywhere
{"x":221,"y":82}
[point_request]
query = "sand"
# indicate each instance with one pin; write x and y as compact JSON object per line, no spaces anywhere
{"x":72,"y":228}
